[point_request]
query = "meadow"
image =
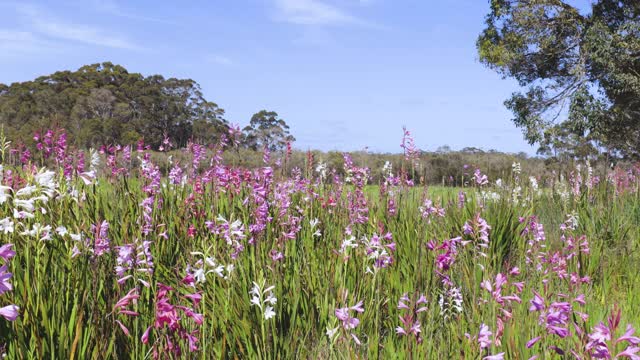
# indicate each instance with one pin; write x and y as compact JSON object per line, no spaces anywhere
{"x":104,"y":256}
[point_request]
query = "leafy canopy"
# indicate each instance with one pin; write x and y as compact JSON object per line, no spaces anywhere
{"x":581,"y":71}
{"x":104,"y":103}
{"x":267,"y":130}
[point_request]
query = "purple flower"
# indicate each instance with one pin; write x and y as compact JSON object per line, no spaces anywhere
{"x":484,"y":336}
{"x":9,"y":312}
{"x":533,"y":341}
{"x":5,"y":285}
{"x":499,"y":356}
{"x":537,"y":303}
{"x":6,"y":253}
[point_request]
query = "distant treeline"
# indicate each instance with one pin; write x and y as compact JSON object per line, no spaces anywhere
{"x":105,"y":104}
{"x":451,"y":168}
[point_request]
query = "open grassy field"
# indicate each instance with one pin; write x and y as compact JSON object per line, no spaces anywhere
{"x":115,"y":260}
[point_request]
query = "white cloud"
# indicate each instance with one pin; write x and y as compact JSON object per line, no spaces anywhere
{"x":53,"y":28}
{"x":313,"y":12}
{"x":16,"y":42}
{"x":111,"y":7}
{"x":219,"y":59}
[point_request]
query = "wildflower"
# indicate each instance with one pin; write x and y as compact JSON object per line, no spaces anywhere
{"x":499,"y":356}
{"x":261,"y":296}
{"x":206,"y":266}
{"x":350,"y":322}
{"x":9,"y":312}
{"x":101,"y":240}
{"x":479,"y":178}
{"x":5,"y":285}
{"x":171,"y":314}
{"x":428,"y":208}
{"x":450,"y":302}
{"x":478,"y":230}
{"x":484,"y":336}
{"x":600,"y":345}
{"x":410,"y":323}
{"x":378,"y":251}
{"x":6,"y":252}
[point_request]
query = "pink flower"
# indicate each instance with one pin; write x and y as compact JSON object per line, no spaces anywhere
{"x":533,"y":341}
{"x":5,"y":285}
{"x":145,"y":336}
{"x":6,"y":253}
{"x":499,"y":356}
{"x":630,"y":352}
{"x":628,"y":336}
{"x":124,"y":328}
{"x":9,"y":312}
{"x":537,"y":303}
{"x":484,"y":336}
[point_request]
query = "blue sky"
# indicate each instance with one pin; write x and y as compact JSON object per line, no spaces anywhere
{"x":344,"y":74}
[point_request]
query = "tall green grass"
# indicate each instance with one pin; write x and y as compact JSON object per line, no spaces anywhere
{"x":66,"y":303}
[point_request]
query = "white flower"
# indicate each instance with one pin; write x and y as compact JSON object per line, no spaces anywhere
{"x":331,"y":332}
{"x":350,"y":242}
{"x":271,"y":299}
{"x":322,"y":170}
{"x":46,"y":178}
{"x":387,"y":169}
{"x":516,"y":168}
{"x":95,"y":159}
{"x":210,"y":261}
{"x":259,"y":299}
{"x":88,"y":177}
{"x":76,"y":237}
{"x":218,"y":270}
{"x":3,"y":193}
{"x":269,"y":313}
{"x":22,"y":214}
{"x":27,"y":205}
{"x":199,"y":275}
{"x":26,"y":191}
{"x":6,"y":225}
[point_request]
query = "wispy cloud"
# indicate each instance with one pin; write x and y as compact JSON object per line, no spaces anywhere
{"x":219,"y":59}
{"x":17,"y":43}
{"x":47,"y":26}
{"x":111,"y":7}
{"x":313,"y":12}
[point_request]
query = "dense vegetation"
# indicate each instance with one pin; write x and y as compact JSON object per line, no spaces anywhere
{"x":581,"y":71}
{"x":104,"y":256}
{"x":105,"y":104}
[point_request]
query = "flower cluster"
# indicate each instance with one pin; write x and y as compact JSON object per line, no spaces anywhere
{"x":263,"y":298}
{"x":9,"y":312}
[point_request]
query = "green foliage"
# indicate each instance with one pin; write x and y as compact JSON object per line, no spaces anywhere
{"x":562,"y":56}
{"x":66,"y":302}
{"x":105,"y":104}
{"x":266,"y":130}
